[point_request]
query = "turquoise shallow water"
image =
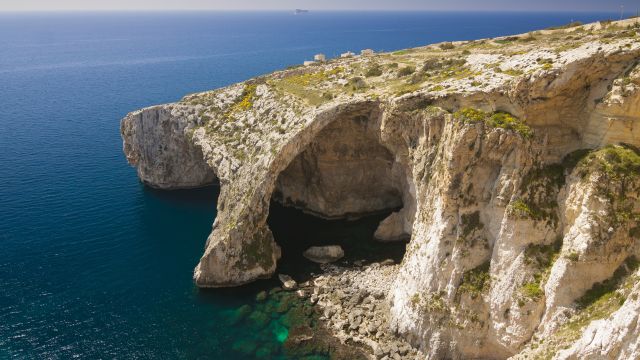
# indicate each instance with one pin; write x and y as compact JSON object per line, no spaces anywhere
{"x":92,"y":263}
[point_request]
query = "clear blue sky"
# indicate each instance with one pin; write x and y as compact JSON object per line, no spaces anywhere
{"x":631,"y":6}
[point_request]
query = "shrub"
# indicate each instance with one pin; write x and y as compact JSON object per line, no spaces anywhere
{"x":374,"y":70}
{"x":532,"y":290}
{"x":447,"y":46}
{"x":510,"y":122}
{"x":573,"y":256}
{"x":498,"y":120}
{"x":617,"y":161}
{"x":470,"y":115}
{"x":476,"y":281}
{"x":405,"y":71}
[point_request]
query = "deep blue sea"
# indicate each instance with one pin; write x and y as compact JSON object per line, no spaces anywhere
{"x":92,"y":263}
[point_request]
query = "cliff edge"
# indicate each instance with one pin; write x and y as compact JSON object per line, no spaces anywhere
{"x":513,"y":161}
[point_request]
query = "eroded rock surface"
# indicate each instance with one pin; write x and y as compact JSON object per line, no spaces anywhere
{"x":324,"y":254}
{"x":511,"y":163}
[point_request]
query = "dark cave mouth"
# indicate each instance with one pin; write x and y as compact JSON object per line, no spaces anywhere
{"x":336,"y":192}
{"x":295,"y":231}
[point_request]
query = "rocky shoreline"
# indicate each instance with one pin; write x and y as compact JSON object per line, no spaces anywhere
{"x":353,"y":305}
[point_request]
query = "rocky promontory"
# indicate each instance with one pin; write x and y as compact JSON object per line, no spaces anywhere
{"x":512,"y":165}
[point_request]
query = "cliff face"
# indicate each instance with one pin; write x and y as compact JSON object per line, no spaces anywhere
{"x":512,"y":164}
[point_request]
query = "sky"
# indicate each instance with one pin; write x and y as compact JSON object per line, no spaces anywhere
{"x":631,"y":6}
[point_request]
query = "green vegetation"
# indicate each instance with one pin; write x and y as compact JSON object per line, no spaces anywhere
{"x":618,"y":162}
{"x":532,"y":290}
{"x":374,"y":70}
{"x":605,"y":290}
{"x":248,"y":97}
{"x":447,"y":46}
{"x":602,"y":300}
{"x":566,"y":26}
{"x":507,"y":121}
{"x":407,"y":70}
{"x":306,"y":85}
{"x":539,"y":189}
{"x":507,"y":40}
{"x":618,"y":171}
{"x":513,"y":72}
{"x":435,"y":303}
{"x":497,"y":120}
{"x":470,"y":115}
{"x":476,"y":281}
{"x":400,"y":52}
{"x":573,"y":256}
{"x":541,"y":258}
{"x":525,"y":210}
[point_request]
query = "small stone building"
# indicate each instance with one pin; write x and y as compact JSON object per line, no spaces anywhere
{"x":367,"y":52}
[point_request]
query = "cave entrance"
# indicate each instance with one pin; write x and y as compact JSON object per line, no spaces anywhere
{"x":336,"y":192}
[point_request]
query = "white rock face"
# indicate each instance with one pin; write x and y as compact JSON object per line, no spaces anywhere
{"x":520,"y":244}
{"x":158,"y":145}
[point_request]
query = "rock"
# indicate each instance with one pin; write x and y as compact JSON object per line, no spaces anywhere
{"x":301,"y":294}
{"x":324,"y":254}
{"x":387,"y":262}
{"x":392,"y":228}
{"x":287,"y":282}
{"x":261,"y":296}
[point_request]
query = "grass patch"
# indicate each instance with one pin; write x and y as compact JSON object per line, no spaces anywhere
{"x":532,"y":290}
{"x":306,"y":85}
{"x":497,"y":120}
{"x":566,"y":26}
{"x":513,"y":72}
{"x":476,"y":281}
{"x":400,"y":52}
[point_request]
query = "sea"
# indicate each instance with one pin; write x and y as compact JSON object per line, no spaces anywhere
{"x":93,"y":264}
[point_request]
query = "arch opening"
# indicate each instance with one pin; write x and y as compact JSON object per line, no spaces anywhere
{"x":338,"y":191}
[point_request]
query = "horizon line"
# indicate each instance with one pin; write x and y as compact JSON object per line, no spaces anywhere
{"x":310,"y":10}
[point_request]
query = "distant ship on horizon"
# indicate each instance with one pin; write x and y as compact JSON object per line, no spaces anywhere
{"x":300,"y":11}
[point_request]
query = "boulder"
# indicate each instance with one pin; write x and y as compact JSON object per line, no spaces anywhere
{"x":287,"y":282}
{"x":391,"y":228}
{"x":324,"y":254}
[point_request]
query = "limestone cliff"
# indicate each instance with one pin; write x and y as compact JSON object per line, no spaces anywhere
{"x":511,"y":163}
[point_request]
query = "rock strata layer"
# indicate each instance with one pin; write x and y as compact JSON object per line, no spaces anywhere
{"x":512,"y":164}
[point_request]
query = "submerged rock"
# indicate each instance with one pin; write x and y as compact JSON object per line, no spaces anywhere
{"x":261,"y":296}
{"x":324,"y":254}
